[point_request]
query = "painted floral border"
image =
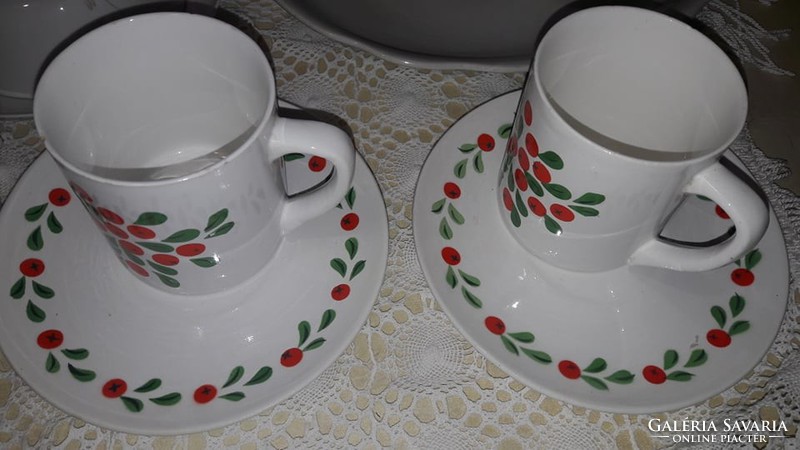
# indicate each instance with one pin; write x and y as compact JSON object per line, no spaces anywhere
{"x":726,"y":321}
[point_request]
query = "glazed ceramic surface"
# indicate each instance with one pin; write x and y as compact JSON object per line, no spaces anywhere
{"x":185,"y":170}
{"x":631,"y":340}
{"x":608,"y":140}
{"x":91,"y":339}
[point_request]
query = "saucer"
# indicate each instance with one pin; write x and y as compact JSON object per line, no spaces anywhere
{"x":104,"y":347}
{"x":632,"y":340}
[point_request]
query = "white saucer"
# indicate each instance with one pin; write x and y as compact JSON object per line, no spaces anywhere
{"x":186,"y":363}
{"x":588,"y":339}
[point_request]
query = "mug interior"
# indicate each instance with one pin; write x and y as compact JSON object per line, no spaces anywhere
{"x":641,"y":83}
{"x":153,"y":91}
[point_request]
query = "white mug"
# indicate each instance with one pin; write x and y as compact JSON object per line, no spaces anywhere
{"x":624,"y":112}
{"x":166,"y":127}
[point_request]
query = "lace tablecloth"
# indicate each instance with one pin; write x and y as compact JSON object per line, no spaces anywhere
{"x":409,"y":379}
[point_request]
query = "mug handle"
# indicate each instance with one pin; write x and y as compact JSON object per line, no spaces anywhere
{"x":746,"y":209}
{"x":320,"y":139}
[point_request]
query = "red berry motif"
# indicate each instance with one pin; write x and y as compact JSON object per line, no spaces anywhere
{"x":166,"y":260}
{"x":291,"y":357}
{"x":486,"y":142}
{"x":718,"y":338}
{"x":115,"y":388}
{"x":131,"y":247}
{"x":32,"y":267}
{"x":141,"y":232}
{"x":139,"y":270}
{"x":452,"y":191}
{"x":495,"y":325}
{"x":110,"y":216}
{"x":531,"y":145}
{"x":50,"y":339}
{"x":81,"y":193}
{"x":349,"y":221}
{"x":528,"y":113}
{"x":340,"y":292}
{"x":205,"y":393}
{"x":562,"y":213}
{"x":451,"y":256}
{"x":190,"y":249}
{"x":654,"y":374}
{"x":536,"y":206}
{"x":116,"y":231}
{"x":743,"y":277}
{"x":508,"y":202}
{"x":317,"y":164}
{"x":541,"y":173}
{"x":59,"y":197}
{"x":519,"y":177}
{"x":569,"y":369}
{"x":524,"y":162}
{"x":721,"y":212}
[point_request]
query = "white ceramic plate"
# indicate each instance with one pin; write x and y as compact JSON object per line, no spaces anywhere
{"x":632,"y":340}
{"x":97,"y":343}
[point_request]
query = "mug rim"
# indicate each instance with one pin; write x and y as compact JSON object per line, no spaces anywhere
{"x":100,"y":33}
{"x":655,"y":15}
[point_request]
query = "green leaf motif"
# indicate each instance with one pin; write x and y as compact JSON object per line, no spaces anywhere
{"x":523,"y":210}
{"x":52,"y":365}
{"x":35,"y":241}
{"x":438,"y":206}
{"x":163,"y":269}
{"x":350,"y":197}
{"x":697,"y":358}
{"x":293,"y":156}
{"x":224,"y":229}
{"x":552,"y":160}
{"x":509,"y":345}
{"x":469,"y":279}
{"x":719,"y":315}
{"x":534,"y":184}
{"x":522,"y":336}
{"x":585,"y":211}
{"x":18,"y":288}
{"x":510,"y":180}
{"x":752,"y":258}
{"x":680,"y":375}
{"x":316,"y":343}
{"x":738,"y":327}
{"x":53,"y":224}
{"x":471,"y":298}
{"x":134,"y":259}
{"x":182,"y":236}
{"x":304,"y":328}
{"x":76,"y":354}
{"x":150,"y":218}
{"x":737,"y":304}
{"x":595,"y":382}
{"x":217,"y":218}
{"x":590,"y":198}
{"x":558,"y":191}
{"x":455,"y":214}
{"x":351,"y":245}
{"x":82,"y":375}
{"x":358,"y":268}
{"x":466,"y":148}
{"x":204,"y":262}
{"x":167,"y":399}
{"x":33,"y":213}
{"x":537,"y":355}
{"x":42,"y":290}
{"x":151,"y":385}
{"x":621,"y":377}
{"x":34,"y":313}
{"x":505,"y":130}
{"x":551,"y":225}
{"x":477,"y":162}
{"x":236,"y":374}
{"x":261,"y":376}
{"x":327,"y":318}
{"x":339,"y":266}
{"x":133,"y":404}
{"x":233,"y":396}
{"x":169,"y":281}
{"x":450,"y":277}
{"x":461,"y":168}
{"x":515,"y":219}
{"x":670,"y":359}
{"x":597,"y":365}
{"x":157,"y":247}
{"x":444,"y":229}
